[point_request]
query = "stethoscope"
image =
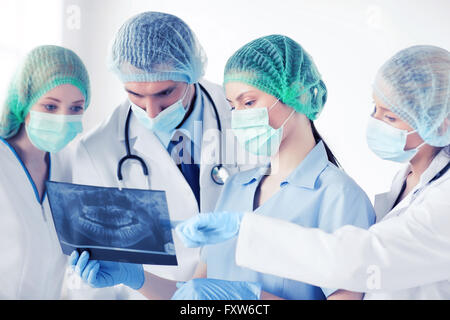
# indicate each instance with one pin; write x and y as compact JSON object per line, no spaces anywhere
{"x":219,"y":174}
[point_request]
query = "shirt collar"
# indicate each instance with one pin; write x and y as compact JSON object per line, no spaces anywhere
{"x":252,"y":175}
{"x":307,"y":172}
{"x":305,"y":175}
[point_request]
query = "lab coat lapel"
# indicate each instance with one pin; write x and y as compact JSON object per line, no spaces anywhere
{"x":131,"y":170}
{"x":383,"y":202}
{"x":439,"y":162}
{"x":212,"y":140}
{"x":147,"y":145}
{"x":122,"y":118}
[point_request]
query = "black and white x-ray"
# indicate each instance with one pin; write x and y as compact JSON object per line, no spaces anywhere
{"x":128,"y":225}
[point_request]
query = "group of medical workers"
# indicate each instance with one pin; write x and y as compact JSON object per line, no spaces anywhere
{"x":295,"y":226}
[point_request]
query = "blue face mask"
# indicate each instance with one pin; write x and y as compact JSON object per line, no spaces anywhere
{"x":253,"y":131}
{"x":388,"y":142}
{"x":165,"y":122}
{"x":52,"y":132}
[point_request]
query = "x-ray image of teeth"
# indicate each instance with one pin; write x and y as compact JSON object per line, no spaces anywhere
{"x":128,"y":225}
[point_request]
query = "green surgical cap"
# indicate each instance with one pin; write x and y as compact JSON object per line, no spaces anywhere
{"x":415,"y":85}
{"x":280,"y":67}
{"x":43,"y":69}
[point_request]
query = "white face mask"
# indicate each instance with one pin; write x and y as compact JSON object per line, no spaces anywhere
{"x":388,"y":142}
{"x":253,"y":131}
{"x":52,"y":132}
{"x":166,"y":121}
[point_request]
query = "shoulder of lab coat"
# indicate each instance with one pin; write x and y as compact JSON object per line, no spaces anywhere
{"x":212,"y":140}
{"x":406,"y":251}
{"x":14,"y":240}
{"x":102,"y":138}
{"x":111,"y":125}
{"x":384,"y":201}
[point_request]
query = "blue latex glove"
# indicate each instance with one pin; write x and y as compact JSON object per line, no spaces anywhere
{"x":100,"y":274}
{"x":215,"y":289}
{"x":209,"y":228}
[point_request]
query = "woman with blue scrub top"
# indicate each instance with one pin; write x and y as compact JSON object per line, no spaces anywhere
{"x":406,"y":255}
{"x":275,"y":91}
{"x":41,"y":115}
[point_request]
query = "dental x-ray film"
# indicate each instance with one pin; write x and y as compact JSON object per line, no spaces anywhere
{"x":128,"y":225}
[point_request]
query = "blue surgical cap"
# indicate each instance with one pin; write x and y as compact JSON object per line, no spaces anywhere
{"x":415,"y":85}
{"x":155,"y":46}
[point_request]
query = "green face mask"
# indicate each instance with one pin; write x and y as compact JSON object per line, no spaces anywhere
{"x":253,"y":131}
{"x":52,"y":132}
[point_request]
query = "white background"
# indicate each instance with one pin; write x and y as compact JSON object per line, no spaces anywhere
{"x":348,"y":40}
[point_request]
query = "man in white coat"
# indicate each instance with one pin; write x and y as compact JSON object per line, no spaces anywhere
{"x":175,"y":123}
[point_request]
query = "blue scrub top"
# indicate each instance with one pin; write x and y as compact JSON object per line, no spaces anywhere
{"x":316,"y":194}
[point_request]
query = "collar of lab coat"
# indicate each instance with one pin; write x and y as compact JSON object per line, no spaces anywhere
{"x":192,"y":129}
{"x":189,"y":126}
{"x":139,"y":137}
{"x":385,"y":201}
{"x":438,"y":163}
{"x":212,"y":139}
{"x":304,"y":176}
{"x":124,"y":109}
{"x":216,"y":95}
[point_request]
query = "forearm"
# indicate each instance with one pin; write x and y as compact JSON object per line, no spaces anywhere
{"x":345,"y":295}
{"x":315,"y":263}
{"x":156,"y":288}
{"x":268,"y":296}
{"x":351,"y":258}
{"x":338,"y":295}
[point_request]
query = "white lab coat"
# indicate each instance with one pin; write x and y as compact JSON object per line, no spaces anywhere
{"x":32,"y":264}
{"x":97,"y":155}
{"x":404,"y":256}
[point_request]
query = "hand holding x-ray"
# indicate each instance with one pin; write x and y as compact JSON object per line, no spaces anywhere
{"x":100,"y":274}
{"x":209,"y":228}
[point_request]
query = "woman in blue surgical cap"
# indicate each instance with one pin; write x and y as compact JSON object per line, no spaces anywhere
{"x":407,"y":254}
{"x":41,"y":115}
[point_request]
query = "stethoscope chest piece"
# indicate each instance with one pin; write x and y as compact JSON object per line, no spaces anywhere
{"x":219,"y":174}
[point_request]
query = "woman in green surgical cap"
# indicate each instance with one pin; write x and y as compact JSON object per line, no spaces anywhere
{"x":41,"y":115}
{"x":276,"y":92}
{"x":406,"y":254}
